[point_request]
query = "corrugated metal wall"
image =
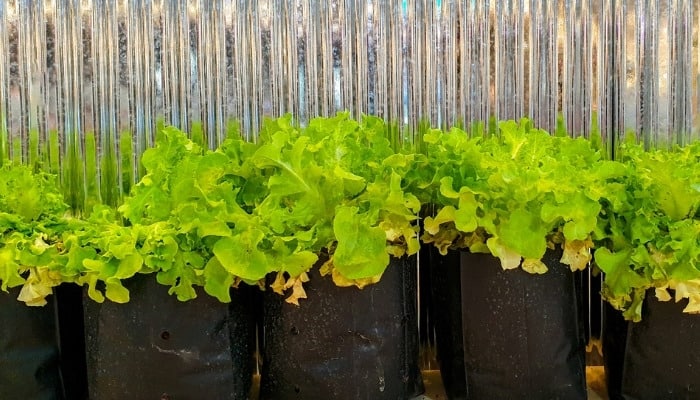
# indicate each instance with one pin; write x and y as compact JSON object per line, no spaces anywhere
{"x":108,"y":66}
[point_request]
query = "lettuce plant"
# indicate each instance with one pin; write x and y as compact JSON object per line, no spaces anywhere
{"x":31,"y":222}
{"x":516,"y":193}
{"x":335,"y":187}
{"x":651,"y":222}
{"x":343,"y":196}
{"x":196,"y":206}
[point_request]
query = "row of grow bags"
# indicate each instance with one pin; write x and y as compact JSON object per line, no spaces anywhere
{"x":157,"y":347}
{"x":509,"y":334}
{"x":502,"y":334}
{"x":340,"y":344}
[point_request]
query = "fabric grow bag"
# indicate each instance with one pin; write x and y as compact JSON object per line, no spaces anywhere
{"x":662,"y":356}
{"x":156,"y":347}
{"x":71,"y":333}
{"x":521,"y":335}
{"x":344,"y":343}
{"x":614,"y":343}
{"x":447,"y":299}
{"x":28,"y":350}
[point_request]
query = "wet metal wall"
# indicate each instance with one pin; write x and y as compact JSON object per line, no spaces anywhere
{"x":113,"y":66}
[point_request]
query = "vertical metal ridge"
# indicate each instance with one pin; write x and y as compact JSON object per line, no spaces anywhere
{"x":508,"y":43}
{"x":622,"y":73}
{"x":680,"y":31}
{"x":428,"y":40}
{"x":4,"y":82}
{"x":544,"y":80}
{"x":70,"y":74}
{"x":695,"y":72}
{"x":142,"y":69}
{"x":26,"y":88}
{"x":275,"y":57}
{"x":345,"y":67}
{"x":412,"y":81}
{"x":450,"y":59}
{"x":605,"y":63}
{"x":324,"y":26}
{"x":648,"y":64}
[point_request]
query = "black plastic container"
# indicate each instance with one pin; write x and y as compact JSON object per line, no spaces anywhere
{"x":662,"y":356}
{"x":344,"y":343}
{"x":521,"y":333}
{"x":28,"y":350}
{"x":156,"y":347}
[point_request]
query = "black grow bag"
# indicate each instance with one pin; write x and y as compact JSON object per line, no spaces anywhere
{"x":521,"y":335}
{"x":156,"y":347}
{"x":71,"y":333}
{"x":446,"y":295}
{"x":614,"y":343}
{"x":662,"y":356}
{"x":344,"y":343}
{"x":28,"y":350}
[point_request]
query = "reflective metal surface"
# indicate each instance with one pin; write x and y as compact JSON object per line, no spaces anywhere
{"x":108,"y":66}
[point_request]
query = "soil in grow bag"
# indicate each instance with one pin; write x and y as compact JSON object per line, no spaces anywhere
{"x":344,"y":343}
{"x":662,"y":356}
{"x":521,"y":335}
{"x":28,"y":350}
{"x":156,"y":347}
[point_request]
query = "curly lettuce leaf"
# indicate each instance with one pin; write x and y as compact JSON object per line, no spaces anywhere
{"x":361,"y":249}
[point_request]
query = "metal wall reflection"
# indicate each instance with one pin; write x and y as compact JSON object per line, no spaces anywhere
{"x":110,"y":66}
{"x":657,"y":72}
